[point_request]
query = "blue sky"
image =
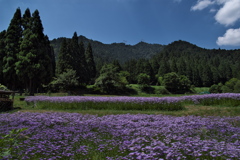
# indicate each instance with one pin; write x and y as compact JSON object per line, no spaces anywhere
{"x":206,"y":23}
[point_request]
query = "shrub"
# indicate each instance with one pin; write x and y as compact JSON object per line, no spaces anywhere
{"x":2,"y":87}
{"x":111,"y":80}
{"x":143,"y":79}
{"x":176,"y":84}
{"x":215,"y":88}
{"x":237,"y":87}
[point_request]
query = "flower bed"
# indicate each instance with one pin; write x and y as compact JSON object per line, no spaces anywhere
{"x":113,"y":103}
{"x":54,"y":135}
{"x":227,"y":99}
{"x":132,"y":103}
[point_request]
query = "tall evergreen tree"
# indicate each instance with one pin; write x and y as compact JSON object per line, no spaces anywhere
{"x":37,"y":26}
{"x":90,"y":62}
{"x":225,"y":71}
{"x":131,"y":67}
{"x":163,"y":68}
{"x":48,"y":61}
{"x":79,"y":60}
{"x":173,"y":65}
{"x":206,"y":75}
{"x":181,"y":65}
{"x":26,"y":19}
{"x":155,"y":65}
{"x":2,"y":54}
{"x":34,"y":65}
{"x":12,"y":42}
{"x":117,"y":65}
{"x":143,"y":66}
{"x":64,"y":58}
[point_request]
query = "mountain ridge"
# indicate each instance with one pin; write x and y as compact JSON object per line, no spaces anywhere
{"x":114,"y":51}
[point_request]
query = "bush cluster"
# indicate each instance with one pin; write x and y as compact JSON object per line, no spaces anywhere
{"x":231,"y":86}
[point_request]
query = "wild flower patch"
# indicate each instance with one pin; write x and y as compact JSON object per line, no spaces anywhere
{"x":227,"y":99}
{"x":132,"y":103}
{"x":58,"y":135}
{"x":114,"y":103}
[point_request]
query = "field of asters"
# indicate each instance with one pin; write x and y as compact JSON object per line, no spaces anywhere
{"x":104,"y":103}
{"x":60,"y":135}
{"x":132,"y":103}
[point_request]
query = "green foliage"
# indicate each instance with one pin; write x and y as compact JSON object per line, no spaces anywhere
{"x":144,"y":66}
{"x":78,"y":60}
{"x":64,"y":59}
{"x":163,"y":68}
{"x":231,"y":83}
{"x":171,"y":82}
{"x":2,"y":87}
{"x":176,"y":84}
{"x":34,"y":66}
{"x":67,"y":81}
{"x":131,"y":67}
{"x":216,"y":88}
{"x":108,"y":52}
{"x":236,"y":88}
{"x":2,"y":54}
{"x":160,"y":80}
{"x":226,"y":89}
{"x":9,"y":142}
{"x":184,"y":84}
{"x":162,"y":90}
{"x":143,"y":79}
{"x":203,"y":67}
{"x":231,"y":86}
{"x":111,"y":80}
{"x":90,"y":63}
{"x":12,"y":40}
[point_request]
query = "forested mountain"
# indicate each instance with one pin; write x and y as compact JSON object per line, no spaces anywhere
{"x":203,"y":67}
{"x":115,"y":51}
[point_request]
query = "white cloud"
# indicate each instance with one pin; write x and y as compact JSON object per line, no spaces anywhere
{"x":201,"y":4}
{"x":229,"y":13}
{"x":231,"y":37}
{"x":212,"y":10}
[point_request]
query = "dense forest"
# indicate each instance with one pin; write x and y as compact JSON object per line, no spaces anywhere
{"x":30,"y":62}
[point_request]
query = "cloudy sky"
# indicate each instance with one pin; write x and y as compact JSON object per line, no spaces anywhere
{"x":206,"y":23}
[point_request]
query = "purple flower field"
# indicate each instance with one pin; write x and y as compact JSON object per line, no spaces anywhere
{"x":57,"y":135}
{"x":113,"y":103}
{"x":133,"y":103}
{"x":194,"y":98}
{"x":99,"y":99}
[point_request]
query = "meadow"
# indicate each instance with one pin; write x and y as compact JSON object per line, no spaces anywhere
{"x":92,"y":127}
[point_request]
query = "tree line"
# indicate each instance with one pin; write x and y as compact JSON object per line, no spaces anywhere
{"x":203,"y":67}
{"x":28,"y":62}
{"x":75,"y":67}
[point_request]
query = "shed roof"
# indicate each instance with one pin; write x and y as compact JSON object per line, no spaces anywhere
{"x":6,"y":92}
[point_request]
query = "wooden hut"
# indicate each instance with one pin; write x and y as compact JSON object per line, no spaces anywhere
{"x":6,"y":102}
